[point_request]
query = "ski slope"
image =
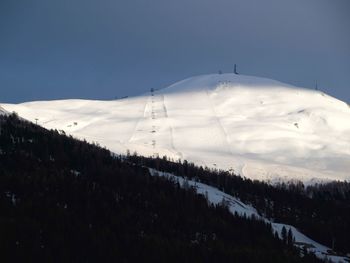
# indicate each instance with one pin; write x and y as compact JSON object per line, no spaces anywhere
{"x":2,"y":111}
{"x":260,"y":128}
{"x":236,"y":206}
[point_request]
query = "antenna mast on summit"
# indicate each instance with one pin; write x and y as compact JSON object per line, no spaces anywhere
{"x":235,"y":70}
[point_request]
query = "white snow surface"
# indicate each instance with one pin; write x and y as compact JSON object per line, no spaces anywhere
{"x":215,"y":196}
{"x":260,"y":128}
{"x":2,"y":111}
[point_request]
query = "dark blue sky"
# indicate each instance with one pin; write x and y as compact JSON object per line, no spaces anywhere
{"x":101,"y":49}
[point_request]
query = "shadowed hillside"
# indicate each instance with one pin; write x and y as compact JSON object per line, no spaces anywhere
{"x":63,"y":200}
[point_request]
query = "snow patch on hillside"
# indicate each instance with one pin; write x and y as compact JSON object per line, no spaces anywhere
{"x":235,"y":206}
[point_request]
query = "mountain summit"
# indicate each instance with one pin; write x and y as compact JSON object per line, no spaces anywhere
{"x":260,"y":128}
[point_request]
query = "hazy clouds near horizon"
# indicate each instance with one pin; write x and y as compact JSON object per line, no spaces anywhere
{"x":111,"y":48}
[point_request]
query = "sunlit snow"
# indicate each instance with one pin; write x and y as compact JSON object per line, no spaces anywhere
{"x":260,"y":128}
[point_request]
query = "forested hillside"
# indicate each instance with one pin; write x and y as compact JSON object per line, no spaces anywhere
{"x":320,"y":211}
{"x":63,"y":200}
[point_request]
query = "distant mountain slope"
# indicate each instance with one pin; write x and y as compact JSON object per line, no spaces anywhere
{"x":260,"y":128}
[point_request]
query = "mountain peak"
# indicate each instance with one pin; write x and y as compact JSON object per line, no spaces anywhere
{"x":260,"y":128}
{"x":212,"y":81}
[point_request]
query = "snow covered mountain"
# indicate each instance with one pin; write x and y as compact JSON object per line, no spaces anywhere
{"x":260,"y":128}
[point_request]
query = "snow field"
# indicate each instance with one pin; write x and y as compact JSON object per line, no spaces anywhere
{"x":260,"y":128}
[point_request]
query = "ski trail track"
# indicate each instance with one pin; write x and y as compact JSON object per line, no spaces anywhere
{"x":140,"y":120}
{"x":218,"y":120}
{"x":171,"y":129}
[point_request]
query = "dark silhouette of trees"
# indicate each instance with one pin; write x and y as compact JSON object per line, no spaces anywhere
{"x":284,"y":234}
{"x":290,"y":238}
{"x":63,"y":200}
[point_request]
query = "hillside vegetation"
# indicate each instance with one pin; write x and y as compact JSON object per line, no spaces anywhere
{"x":64,"y":200}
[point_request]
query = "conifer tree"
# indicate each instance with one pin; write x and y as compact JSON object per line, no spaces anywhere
{"x":284,"y":234}
{"x":290,"y":238}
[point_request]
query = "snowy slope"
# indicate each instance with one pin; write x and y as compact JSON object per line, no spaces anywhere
{"x":260,"y":128}
{"x":2,"y":111}
{"x":215,"y":196}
